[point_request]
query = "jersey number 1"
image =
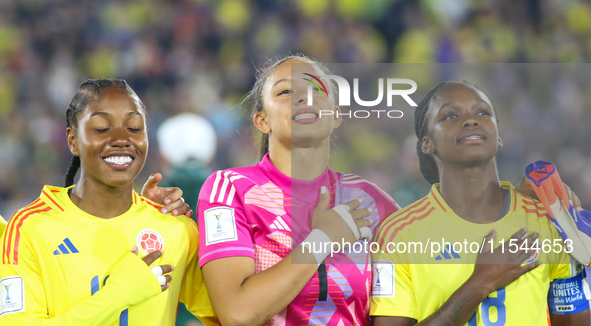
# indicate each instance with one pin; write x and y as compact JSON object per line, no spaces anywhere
{"x":94,"y":286}
{"x":497,"y":302}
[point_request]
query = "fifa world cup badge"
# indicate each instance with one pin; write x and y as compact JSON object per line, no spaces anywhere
{"x":12,"y":299}
{"x":220,"y":225}
{"x":383,"y":278}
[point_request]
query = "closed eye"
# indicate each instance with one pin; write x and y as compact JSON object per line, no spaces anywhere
{"x":449,"y":116}
{"x":285,"y":91}
{"x":134,"y":129}
{"x":102,"y":131}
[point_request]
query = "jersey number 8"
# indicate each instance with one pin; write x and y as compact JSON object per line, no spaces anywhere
{"x":499,"y":303}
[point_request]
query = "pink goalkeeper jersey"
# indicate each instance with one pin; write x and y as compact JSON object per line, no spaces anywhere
{"x":248,"y":212}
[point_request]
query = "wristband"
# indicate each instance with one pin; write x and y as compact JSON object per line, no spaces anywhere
{"x":317,"y":239}
{"x":343,"y":211}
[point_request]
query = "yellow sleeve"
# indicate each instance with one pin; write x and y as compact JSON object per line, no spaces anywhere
{"x":2,"y":225}
{"x":129,"y":284}
{"x":562,"y":270}
{"x":193,"y":291}
{"x":562,"y":266}
{"x":392,"y":289}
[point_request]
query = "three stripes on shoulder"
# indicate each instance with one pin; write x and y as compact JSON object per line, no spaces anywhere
{"x":226,"y":178}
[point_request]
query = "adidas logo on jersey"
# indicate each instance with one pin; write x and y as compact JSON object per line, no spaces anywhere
{"x":280,"y":224}
{"x":448,"y":253}
{"x":64,"y":246}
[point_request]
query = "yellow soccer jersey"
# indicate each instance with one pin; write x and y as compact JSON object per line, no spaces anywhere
{"x":416,"y":290}
{"x":2,"y":225}
{"x":62,"y":266}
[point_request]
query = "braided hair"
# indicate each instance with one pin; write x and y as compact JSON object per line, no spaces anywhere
{"x":255,"y":95}
{"x":427,"y":162}
{"x":88,"y":92}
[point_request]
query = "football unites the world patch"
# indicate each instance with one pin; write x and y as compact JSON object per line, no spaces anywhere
{"x":567,"y":295}
{"x":149,"y":241}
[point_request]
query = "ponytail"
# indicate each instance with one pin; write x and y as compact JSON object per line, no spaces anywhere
{"x":72,"y":170}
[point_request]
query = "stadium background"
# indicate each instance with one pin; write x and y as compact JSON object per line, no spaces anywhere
{"x":200,"y":56}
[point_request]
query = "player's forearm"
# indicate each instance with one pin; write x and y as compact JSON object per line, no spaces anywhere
{"x":458,"y":309}
{"x":126,"y":286}
{"x":263,"y":295}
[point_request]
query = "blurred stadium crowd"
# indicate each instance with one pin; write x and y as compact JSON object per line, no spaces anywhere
{"x":200,"y":56}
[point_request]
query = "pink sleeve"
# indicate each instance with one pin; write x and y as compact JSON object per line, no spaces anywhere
{"x":385,"y":204}
{"x":223,"y":227}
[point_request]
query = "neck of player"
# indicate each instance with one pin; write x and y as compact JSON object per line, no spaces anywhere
{"x":101,"y":200}
{"x":303,"y":163}
{"x":473,"y":193}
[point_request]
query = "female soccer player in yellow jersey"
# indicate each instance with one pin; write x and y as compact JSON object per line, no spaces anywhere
{"x":458,"y":139}
{"x":67,"y":258}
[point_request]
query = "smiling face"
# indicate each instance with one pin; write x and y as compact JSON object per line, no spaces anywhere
{"x":462,"y":126}
{"x":110,"y":138}
{"x":286,"y":115}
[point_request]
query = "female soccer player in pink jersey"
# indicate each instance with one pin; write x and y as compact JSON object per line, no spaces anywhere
{"x":66,"y":257}
{"x":249,"y":216}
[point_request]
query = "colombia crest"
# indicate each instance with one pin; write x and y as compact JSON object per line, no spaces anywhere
{"x":149,"y":241}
